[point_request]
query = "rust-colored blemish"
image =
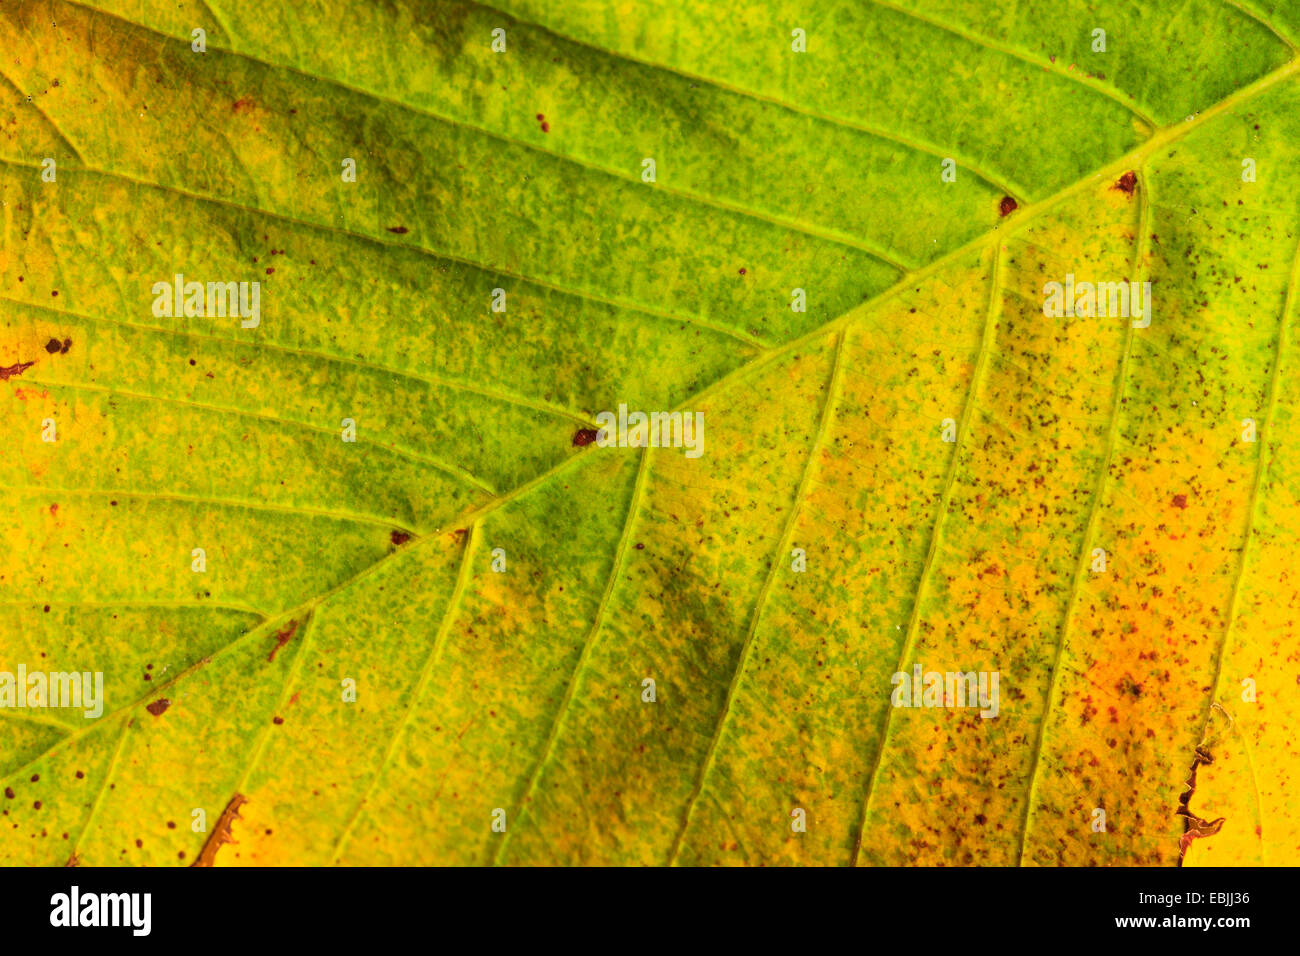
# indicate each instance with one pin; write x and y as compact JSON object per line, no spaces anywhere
{"x":1126,"y":183}
{"x":584,"y":436}
{"x":9,"y":371}
{"x":1007,"y":206}
{"x":282,"y":638}
{"x":221,"y":833}
{"x":399,"y":538}
{"x":158,"y":707}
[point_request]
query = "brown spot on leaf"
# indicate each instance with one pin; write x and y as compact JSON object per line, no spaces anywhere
{"x":9,"y":371}
{"x":1007,"y":206}
{"x":1126,"y":183}
{"x":221,"y":833}
{"x":53,"y":346}
{"x":1180,"y":501}
{"x":244,"y":105}
{"x":584,"y":436}
{"x":158,"y":707}
{"x":282,"y":638}
{"x":400,"y":230}
{"x":399,"y":538}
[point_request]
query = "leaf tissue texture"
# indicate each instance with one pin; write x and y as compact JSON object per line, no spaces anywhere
{"x":356,"y":570}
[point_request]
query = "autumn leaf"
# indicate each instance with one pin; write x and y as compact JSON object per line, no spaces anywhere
{"x":366,"y":574}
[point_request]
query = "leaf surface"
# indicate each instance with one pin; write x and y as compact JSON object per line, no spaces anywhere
{"x":522,"y":691}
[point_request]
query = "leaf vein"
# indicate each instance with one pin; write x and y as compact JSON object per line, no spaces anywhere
{"x":430,"y":664}
{"x":1261,"y":470}
{"x":588,"y":294}
{"x":570,"y":691}
{"x":783,"y":543}
{"x":1009,"y":49}
{"x":950,"y":481}
{"x":842,"y":122}
{"x":474,"y":388}
{"x":459,"y":473}
{"x":1145,"y":198}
